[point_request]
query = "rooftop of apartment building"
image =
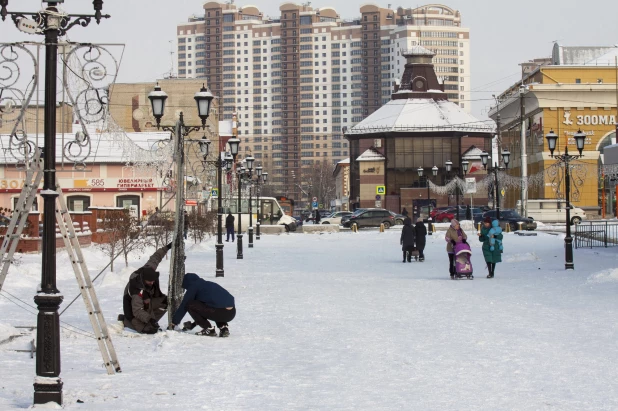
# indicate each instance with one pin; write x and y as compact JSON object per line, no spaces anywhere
{"x":426,"y":15}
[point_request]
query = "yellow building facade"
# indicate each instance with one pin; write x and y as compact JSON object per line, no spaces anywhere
{"x":565,"y":99}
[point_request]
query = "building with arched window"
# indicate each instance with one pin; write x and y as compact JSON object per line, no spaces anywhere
{"x":573,"y":91}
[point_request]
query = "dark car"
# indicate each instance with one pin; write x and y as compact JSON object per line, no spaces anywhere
{"x":398,"y":218}
{"x":512,"y":218}
{"x":370,"y":217}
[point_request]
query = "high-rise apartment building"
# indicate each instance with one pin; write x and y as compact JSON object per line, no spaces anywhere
{"x":298,"y":79}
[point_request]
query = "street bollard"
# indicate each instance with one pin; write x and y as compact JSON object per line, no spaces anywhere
{"x":382,"y":227}
{"x":479,"y":229}
{"x":257,"y":232}
{"x":239,"y":255}
{"x":354,"y":228}
{"x":507,"y":229}
{"x":250,"y":237}
{"x":434,"y":228}
{"x":521,"y":225}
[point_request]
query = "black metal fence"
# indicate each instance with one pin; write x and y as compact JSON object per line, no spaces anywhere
{"x":596,"y":234}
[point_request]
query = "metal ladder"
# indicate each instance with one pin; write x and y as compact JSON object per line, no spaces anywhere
{"x":71,"y":242}
{"x":95,"y":315}
{"x":34,"y":175}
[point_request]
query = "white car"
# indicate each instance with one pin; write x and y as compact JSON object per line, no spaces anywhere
{"x":553,"y":211}
{"x":335,"y":218}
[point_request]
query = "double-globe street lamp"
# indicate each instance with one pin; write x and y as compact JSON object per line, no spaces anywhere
{"x":464,"y":168}
{"x":248,"y":175}
{"x":506,"y":155}
{"x":240,"y":174}
{"x":261,"y":179}
{"x":203,"y":99}
{"x":223,"y":162}
{"x":434,"y":171}
{"x":565,"y":159}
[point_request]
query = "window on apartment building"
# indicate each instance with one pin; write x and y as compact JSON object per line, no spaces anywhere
{"x":578,"y":81}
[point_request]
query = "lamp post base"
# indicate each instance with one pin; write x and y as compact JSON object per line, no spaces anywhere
{"x":250,"y":237}
{"x":429,"y":227}
{"x":47,"y":389}
{"x":568,"y":253}
{"x":239,"y":247}
{"x":257,"y":231}
{"x":219,"y":256}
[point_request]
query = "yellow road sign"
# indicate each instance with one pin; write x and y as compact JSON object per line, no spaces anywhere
{"x":380,"y":189}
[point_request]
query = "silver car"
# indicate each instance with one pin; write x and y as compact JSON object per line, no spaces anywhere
{"x":335,"y":218}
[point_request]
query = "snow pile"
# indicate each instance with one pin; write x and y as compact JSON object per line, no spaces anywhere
{"x":605,"y":276}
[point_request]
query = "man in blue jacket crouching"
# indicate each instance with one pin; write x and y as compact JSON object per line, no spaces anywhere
{"x":205,"y":300}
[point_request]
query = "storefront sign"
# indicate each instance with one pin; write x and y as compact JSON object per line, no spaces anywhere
{"x":11,"y":184}
{"x":589,"y":119}
{"x":372,"y":170}
{"x":127,"y":183}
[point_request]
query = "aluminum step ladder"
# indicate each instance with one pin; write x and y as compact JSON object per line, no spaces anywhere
{"x":95,"y":315}
{"x":34,"y":174}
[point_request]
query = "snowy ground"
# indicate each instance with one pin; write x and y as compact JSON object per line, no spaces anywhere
{"x":337,"y":322}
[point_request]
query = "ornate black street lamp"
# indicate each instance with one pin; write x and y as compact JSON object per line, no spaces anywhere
{"x":239,"y":174}
{"x":223,"y":162}
{"x":464,"y":168}
{"x":434,"y":171}
{"x":565,"y":159}
{"x":506,"y":155}
{"x":258,"y":170}
{"x":203,"y":100}
{"x":52,"y":23}
{"x":249,"y":160}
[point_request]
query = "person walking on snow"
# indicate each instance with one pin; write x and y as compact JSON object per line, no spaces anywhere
{"x":455,"y":234}
{"x":186,"y":224}
{"x":407,"y":239}
{"x":143,"y":301}
{"x":205,"y":300}
{"x":229,"y":227}
{"x":421,"y":238}
{"x":492,"y":254}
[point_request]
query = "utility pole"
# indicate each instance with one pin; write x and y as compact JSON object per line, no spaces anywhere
{"x":524,"y":155}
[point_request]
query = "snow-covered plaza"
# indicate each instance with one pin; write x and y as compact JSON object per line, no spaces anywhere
{"x":337,"y":322}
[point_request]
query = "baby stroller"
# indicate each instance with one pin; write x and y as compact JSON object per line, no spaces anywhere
{"x":463,"y":262}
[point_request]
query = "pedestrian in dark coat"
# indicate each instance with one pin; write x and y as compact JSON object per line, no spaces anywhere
{"x":205,"y":300}
{"x":318,"y":217}
{"x":229,"y":227}
{"x":491,"y":257}
{"x":407,"y":240}
{"x":421,"y":238}
{"x":143,"y":301}
{"x":404,"y":212}
{"x":186,"y":225}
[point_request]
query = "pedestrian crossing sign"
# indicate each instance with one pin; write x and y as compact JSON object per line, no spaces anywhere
{"x":381,"y":190}
{"x":214,"y":192}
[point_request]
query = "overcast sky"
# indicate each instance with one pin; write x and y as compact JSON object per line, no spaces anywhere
{"x":503,"y":33}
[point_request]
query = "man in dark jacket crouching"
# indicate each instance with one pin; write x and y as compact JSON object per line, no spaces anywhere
{"x":143,"y":302}
{"x":205,"y":300}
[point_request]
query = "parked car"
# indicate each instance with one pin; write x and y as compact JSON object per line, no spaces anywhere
{"x":335,"y":218}
{"x":512,"y":218}
{"x":398,"y":218}
{"x":323,"y":214}
{"x":347,"y":217}
{"x":445,"y":216}
{"x":438,"y":210}
{"x":370,"y":217}
{"x":553,"y":211}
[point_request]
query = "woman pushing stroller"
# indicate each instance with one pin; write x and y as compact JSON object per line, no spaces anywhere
{"x":455,"y":234}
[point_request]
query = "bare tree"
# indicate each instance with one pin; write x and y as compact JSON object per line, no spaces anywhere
{"x":202,"y":225}
{"x":121,"y":234}
{"x":320,"y":178}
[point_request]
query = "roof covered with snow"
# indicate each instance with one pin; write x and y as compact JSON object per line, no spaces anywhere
{"x":371,"y":155}
{"x":421,"y":115}
{"x":106,"y":147}
{"x":584,"y":55}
